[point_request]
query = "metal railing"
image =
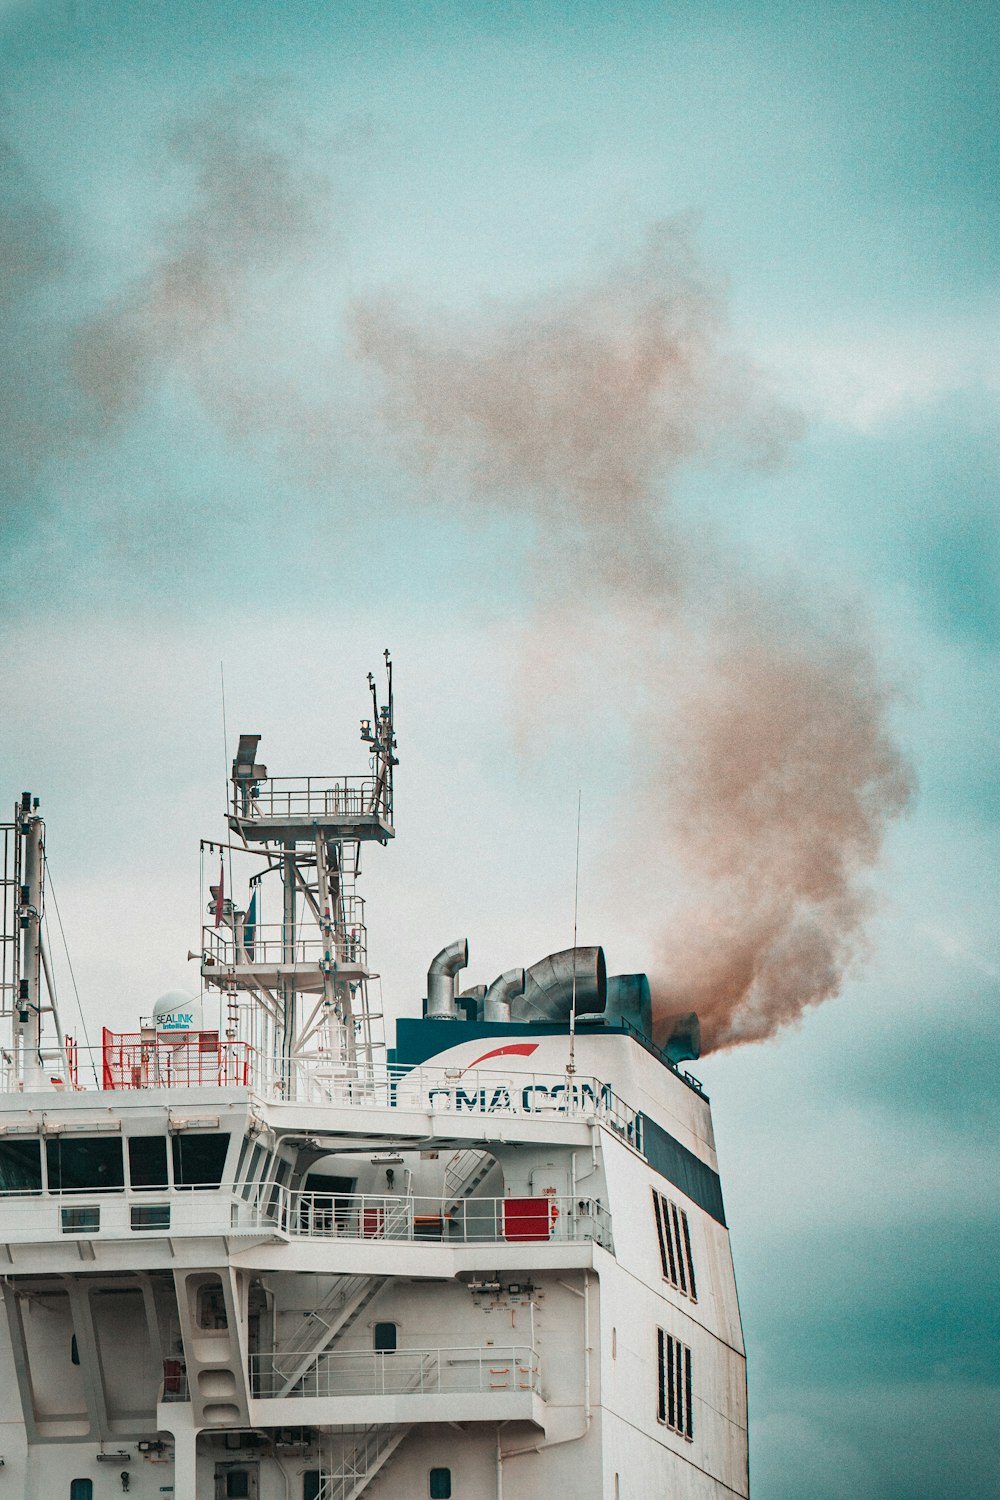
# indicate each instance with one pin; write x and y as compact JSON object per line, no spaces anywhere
{"x":31,"y":1215}
{"x":334,"y":797}
{"x":404,"y":1372}
{"x":268,"y":947}
{"x":204,"y":1060}
{"x":424,"y":1220}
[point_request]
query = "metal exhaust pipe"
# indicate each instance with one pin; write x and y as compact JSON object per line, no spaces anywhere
{"x":552,"y":984}
{"x":441,"y":981}
{"x":496,"y":1002}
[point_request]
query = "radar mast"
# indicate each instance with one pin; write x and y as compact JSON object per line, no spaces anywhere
{"x":294,"y":964}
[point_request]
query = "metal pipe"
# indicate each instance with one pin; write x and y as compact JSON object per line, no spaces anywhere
{"x":441,"y":980}
{"x":552,"y":985}
{"x":496,"y":1002}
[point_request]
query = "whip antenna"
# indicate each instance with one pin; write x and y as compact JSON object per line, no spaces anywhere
{"x":571,"y":1067}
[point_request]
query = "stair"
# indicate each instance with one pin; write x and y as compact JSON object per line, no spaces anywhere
{"x":463,"y":1174}
{"x":369,"y":1459}
{"x":321,"y":1328}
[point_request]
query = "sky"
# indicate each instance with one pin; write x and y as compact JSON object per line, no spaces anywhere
{"x":629,"y":370}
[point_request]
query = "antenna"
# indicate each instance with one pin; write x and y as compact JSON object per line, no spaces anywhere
{"x":571,"y":1065}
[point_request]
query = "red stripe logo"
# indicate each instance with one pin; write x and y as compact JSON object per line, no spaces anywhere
{"x":514,"y":1049}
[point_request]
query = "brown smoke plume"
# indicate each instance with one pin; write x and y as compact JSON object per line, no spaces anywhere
{"x":769,"y":772}
{"x":253,"y":209}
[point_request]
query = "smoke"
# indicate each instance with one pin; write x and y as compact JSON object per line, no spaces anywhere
{"x":782,"y":779}
{"x":32,"y":260}
{"x":761,"y":755}
{"x":204,"y":305}
{"x":574,"y":409}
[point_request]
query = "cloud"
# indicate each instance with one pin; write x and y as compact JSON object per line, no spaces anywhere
{"x":864,"y":381}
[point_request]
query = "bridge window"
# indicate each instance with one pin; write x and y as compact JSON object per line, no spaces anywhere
{"x":150,"y":1215}
{"x":199,"y":1160}
{"x":20,"y":1166}
{"x":439,"y":1485}
{"x":91,"y":1162}
{"x":81,"y":1489}
{"x":147,"y":1161}
{"x":384,"y":1336}
{"x":674,"y":1236}
{"x":674,"y":1393}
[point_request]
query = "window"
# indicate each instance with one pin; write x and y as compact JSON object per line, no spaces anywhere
{"x":81,"y":1489}
{"x":439,"y":1484}
{"x":150,"y":1215}
{"x":674,"y":1396}
{"x":74,"y":1351}
{"x":89,"y":1162}
{"x":311,"y":1480}
{"x":212,"y":1312}
{"x":199,"y":1160}
{"x":237,"y":1484}
{"x":20,"y":1166}
{"x":675,"y":1245}
{"x":147,"y":1161}
{"x":384,"y":1339}
{"x":81,"y":1220}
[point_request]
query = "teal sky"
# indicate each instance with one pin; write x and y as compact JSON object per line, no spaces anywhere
{"x":201,"y":470}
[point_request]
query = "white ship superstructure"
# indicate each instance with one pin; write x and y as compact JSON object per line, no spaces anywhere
{"x":247,"y":1252}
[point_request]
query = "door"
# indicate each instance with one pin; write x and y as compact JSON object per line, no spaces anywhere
{"x":236,"y":1481}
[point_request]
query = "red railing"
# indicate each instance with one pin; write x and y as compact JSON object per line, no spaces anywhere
{"x":190,"y":1059}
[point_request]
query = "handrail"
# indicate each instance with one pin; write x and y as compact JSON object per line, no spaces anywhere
{"x":281,"y":1213}
{"x":429,"y":1220}
{"x":399,"y":1372}
{"x":194,"y":1059}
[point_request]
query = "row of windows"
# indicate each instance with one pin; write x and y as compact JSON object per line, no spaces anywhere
{"x":673,"y":1407}
{"x":674,"y":1238}
{"x":97,"y":1163}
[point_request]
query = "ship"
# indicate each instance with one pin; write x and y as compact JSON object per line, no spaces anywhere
{"x":249,"y":1252}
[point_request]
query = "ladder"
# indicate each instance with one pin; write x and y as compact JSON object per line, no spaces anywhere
{"x":10,"y":897}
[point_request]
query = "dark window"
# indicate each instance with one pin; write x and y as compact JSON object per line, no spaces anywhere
{"x":439,"y":1485}
{"x":81,"y":1489}
{"x":150,"y":1215}
{"x":384,"y":1337}
{"x":311,"y":1481}
{"x":81,"y":1220}
{"x":674,"y":1237}
{"x":674,"y":1399}
{"x":20,"y":1166}
{"x":147,"y":1161}
{"x":237,"y":1484}
{"x":74,"y":1351}
{"x":251,"y":1176}
{"x":212,"y":1305}
{"x":90,"y":1162}
{"x":199,"y":1160}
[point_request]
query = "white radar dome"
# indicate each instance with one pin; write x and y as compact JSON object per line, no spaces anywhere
{"x":176,"y":1011}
